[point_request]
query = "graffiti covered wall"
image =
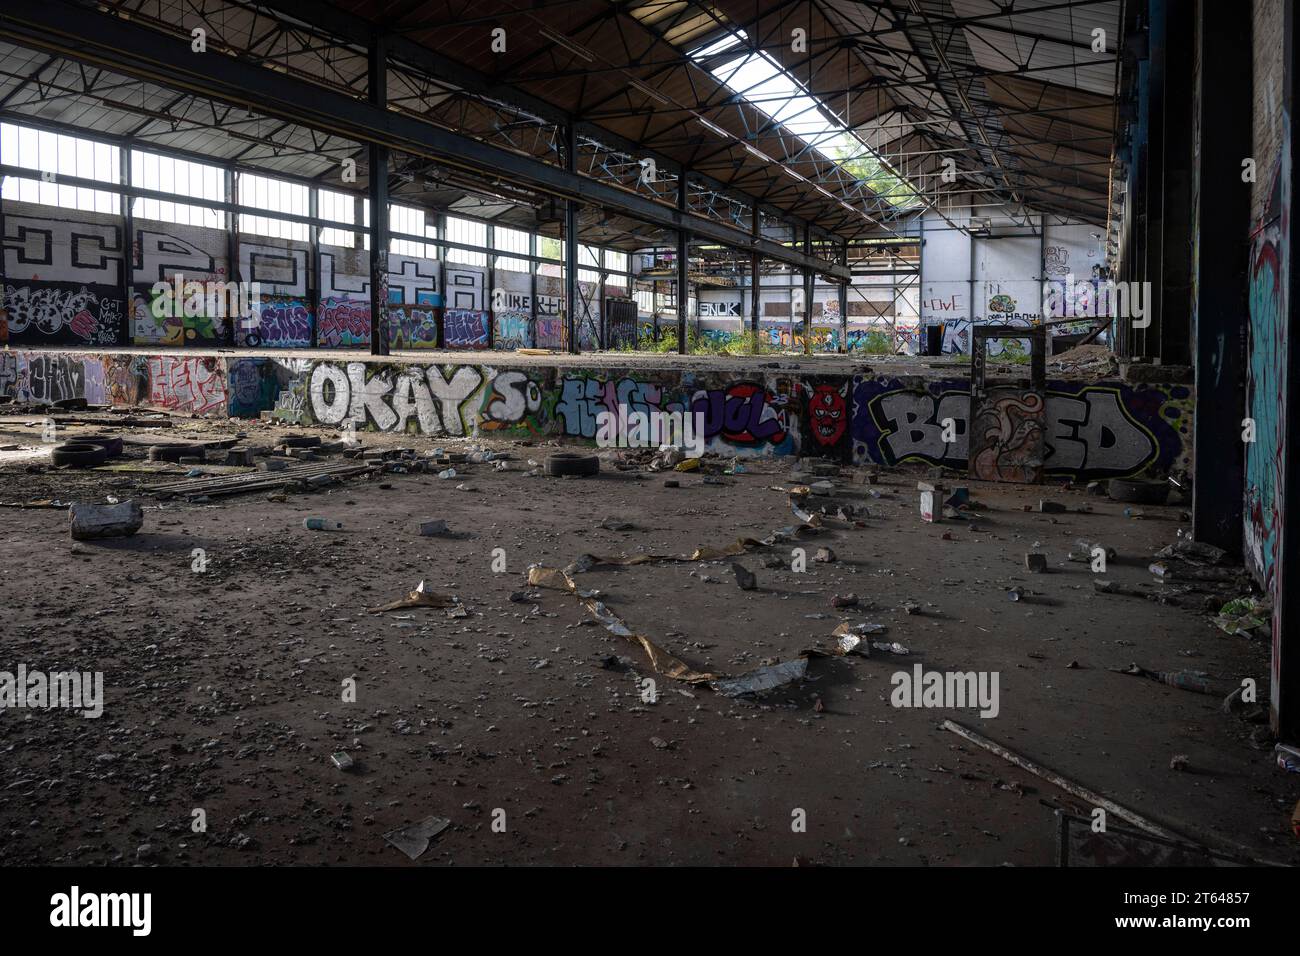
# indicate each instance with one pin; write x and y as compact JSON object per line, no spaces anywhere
{"x":1092,"y":430}
{"x":62,"y":278}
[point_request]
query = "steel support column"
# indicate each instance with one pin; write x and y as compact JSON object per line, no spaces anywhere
{"x":128,"y":256}
{"x":1222,"y":231}
{"x":683,"y":270}
{"x":233,"y":270}
{"x":755,"y":229}
{"x":571,"y":247}
{"x":844,"y":305}
{"x":1148,"y":339}
{"x":378,"y":79}
{"x":314,"y":293}
{"x":1175,"y":276}
{"x":807,"y":292}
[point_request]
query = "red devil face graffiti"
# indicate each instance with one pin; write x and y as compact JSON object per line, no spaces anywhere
{"x":828,"y":409}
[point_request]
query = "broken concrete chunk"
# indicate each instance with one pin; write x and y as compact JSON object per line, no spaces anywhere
{"x":91,"y":520}
{"x":744,"y":577}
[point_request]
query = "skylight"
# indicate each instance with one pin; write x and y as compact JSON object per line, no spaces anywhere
{"x":762,"y":83}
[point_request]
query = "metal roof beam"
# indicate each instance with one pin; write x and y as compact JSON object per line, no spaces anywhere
{"x":128,"y":48}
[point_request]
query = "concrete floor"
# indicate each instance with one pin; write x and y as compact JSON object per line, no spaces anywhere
{"x":223,"y":687}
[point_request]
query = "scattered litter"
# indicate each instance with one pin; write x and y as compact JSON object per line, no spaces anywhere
{"x":1050,"y":507}
{"x":1183,"y":680}
{"x":342,"y":761}
{"x":1247,"y":616}
{"x":763,"y":678}
{"x":434,"y":529}
{"x":660,"y":660}
{"x":1114,"y":587}
{"x":1035,"y":561}
{"x":1288,"y":757}
{"x":322,"y":524}
{"x":616,"y":524}
{"x":824,"y":556}
{"x":1015,"y":594}
{"x":1179,"y":762}
{"x":420,"y":597}
{"x":258,"y":480}
{"x":1194,"y":552}
{"x":844,"y":600}
{"x":415,"y":839}
{"x":862,"y":628}
{"x":448,"y":473}
{"x":1083,"y":793}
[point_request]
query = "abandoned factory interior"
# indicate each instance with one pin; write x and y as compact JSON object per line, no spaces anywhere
{"x":630,"y":434}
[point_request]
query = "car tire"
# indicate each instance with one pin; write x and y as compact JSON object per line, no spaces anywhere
{"x":78,"y":455}
{"x":111,"y":443}
{"x":171,"y":452}
{"x":565,"y":464}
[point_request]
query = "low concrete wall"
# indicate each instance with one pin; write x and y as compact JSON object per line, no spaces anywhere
{"x":1094,"y":430}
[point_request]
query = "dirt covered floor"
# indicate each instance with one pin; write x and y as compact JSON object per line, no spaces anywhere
{"x":523,"y":721}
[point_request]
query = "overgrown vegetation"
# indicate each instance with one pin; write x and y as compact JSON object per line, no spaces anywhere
{"x":740,"y":343}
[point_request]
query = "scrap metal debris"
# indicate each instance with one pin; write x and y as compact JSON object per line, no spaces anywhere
{"x":762,"y":679}
{"x":415,"y":839}
{"x":420,"y":597}
{"x":661,"y":661}
{"x":302,"y":475}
